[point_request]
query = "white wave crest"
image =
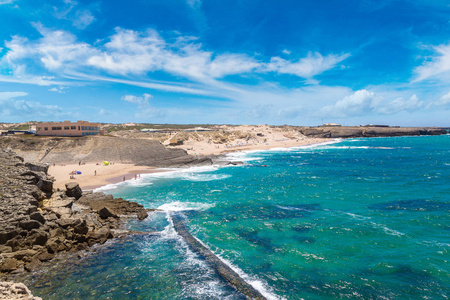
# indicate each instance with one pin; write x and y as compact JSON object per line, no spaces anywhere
{"x":183,"y":206}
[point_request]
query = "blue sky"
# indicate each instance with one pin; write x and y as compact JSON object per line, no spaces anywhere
{"x":277,"y":62}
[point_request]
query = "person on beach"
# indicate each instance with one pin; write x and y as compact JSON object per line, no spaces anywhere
{"x":135,"y":176}
{"x":123,"y":178}
{"x":95,"y":172}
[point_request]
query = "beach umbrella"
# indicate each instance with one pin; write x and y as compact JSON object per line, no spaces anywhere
{"x":106,"y":163}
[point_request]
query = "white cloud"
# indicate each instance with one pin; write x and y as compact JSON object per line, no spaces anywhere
{"x":80,"y":18}
{"x":6,"y":1}
{"x":363,"y":102}
{"x":145,"y":110}
{"x":400,"y":104}
{"x":61,"y":89}
{"x":12,"y":108}
{"x":286,"y":51}
{"x":56,"y":50}
{"x":129,"y":52}
{"x":443,"y":102}
{"x":359,"y":103}
{"x":306,"y":67}
{"x":83,"y":18}
{"x":438,"y":65}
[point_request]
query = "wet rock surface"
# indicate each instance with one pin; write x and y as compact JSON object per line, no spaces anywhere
{"x":37,"y":222}
{"x":225,"y":271}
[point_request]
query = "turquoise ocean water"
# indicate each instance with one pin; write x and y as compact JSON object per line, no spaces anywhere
{"x":357,"y":219}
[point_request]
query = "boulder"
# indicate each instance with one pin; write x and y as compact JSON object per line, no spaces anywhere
{"x":8,"y":235}
{"x":9,"y":265}
{"x":45,"y":185}
{"x":142,"y":215}
{"x":105,"y":213}
{"x":73,"y":190}
{"x":81,"y":228}
{"x":37,"y":237}
{"x":45,"y":256}
{"x":23,"y":253}
{"x":65,"y":223}
{"x":99,"y":236}
{"x":29,"y":224}
{"x":38,"y":217}
{"x":37,"y":167}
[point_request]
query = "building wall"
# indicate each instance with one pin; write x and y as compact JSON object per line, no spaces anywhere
{"x":67,"y":128}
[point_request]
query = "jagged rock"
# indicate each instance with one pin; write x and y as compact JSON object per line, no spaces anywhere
{"x":37,"y":237}
{"x":38,"y":217}
{"x":8,"y":235}
{"x":45,"y":185}
{"x":64,"y":223}
{"x":105,"y":213}
{"x":23,"y":253}
{"x":100,"y":236}
{"x":73,"y":190}
{"x":56,"y":203}
{"x":29,"y":235}
{"x":37,"y":167}
{"x":45,"y":256}
{"x":81,"y":228}
{"x":142,"y":215}
{"x":9,"y":265}
{"x":15,"y":291}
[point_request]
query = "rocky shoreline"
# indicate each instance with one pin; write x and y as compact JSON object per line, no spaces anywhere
{"x":368,"y":131}
{"x":38,"y":222}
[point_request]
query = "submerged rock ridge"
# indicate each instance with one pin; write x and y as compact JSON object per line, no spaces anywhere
{"x":225,"y":271}
{"x":368,"y":131}
{"x":37,"y":222}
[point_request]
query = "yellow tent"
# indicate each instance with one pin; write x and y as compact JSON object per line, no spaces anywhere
{"x":106,"y":163}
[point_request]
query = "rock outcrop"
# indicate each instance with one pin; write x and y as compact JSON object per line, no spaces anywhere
{"x":142,"y":152}
{"x":15,"y":291}
{"x":353,"y":132}
{"x":37,"y":222}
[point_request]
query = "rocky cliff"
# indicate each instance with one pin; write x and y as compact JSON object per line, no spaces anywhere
{"x":353,"y":132}
{"x":37,"y":222}
{"x":143,"y":152}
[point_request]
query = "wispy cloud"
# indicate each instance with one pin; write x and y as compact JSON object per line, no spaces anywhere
{"x":144,"y":109}
{"x":443,"y":102}
{"x":7,"y":1}
{"x":364,"y":102}
{"x":61,"y":89}
{"x":129,"y":52}
{"x":306,"y":67}
{"x":11,"y":107}
{"x":438,"y":65}
{"x":80,"y":17}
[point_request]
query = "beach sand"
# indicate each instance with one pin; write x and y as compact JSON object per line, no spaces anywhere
{"x":263,"y":137}
{"x":93,"y":176}
{"x":238,"y":138}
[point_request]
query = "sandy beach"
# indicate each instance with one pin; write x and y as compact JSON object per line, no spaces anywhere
{"x":222,"y":140}
{"x":96,"y":175}
{"x":244,"y":138}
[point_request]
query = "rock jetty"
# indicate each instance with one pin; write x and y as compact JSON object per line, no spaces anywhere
{"x":37,"y":222}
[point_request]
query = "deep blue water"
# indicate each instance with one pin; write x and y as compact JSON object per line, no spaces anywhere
{"x":358,"y":219}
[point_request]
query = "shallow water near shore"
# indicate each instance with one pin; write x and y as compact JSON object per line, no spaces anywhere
{"x":358,"y":219}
